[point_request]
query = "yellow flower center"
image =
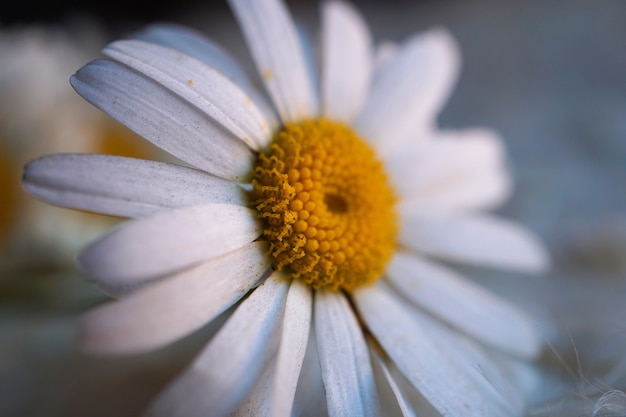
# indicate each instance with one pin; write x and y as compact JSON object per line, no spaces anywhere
{"x":326,"y":205}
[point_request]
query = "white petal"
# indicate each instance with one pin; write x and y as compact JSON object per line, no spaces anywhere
{"x":173,"y":308}
{"x":167,"y":242}
{"x":346,"y":61}
{"x":276,"y":49}
{"x":293,"y":343}
{"x":227,"y":369}
{"x":455,"y":169}
{"x":164,"y":118}
{"x":196,"y":45}
{"x":380,"y":369}
{"x":465,"y":305}
{"x":478,"y":191}
{"x":474,"y":239}
{"x":344,"y":359}
{"x":202,"y":86}
{"x":504,"y":398}
{"x":410,"y":91}
{"x":310,"y":400}
{"x":385,"y":53}
{"x":419,"y":404}
{"x":273,"y":394}
{"x":525,"y":378}
{"x":125,"y":187}
{"x":257,"y":402}
{"x":420,"y":360}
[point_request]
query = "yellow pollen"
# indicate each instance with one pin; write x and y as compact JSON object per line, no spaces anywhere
{"x":326,"y":205}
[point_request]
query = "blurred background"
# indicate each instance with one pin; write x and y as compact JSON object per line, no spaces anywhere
{"x":549,"y":75}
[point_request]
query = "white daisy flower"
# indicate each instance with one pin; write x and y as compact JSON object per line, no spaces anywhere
{"x":316,"y":220}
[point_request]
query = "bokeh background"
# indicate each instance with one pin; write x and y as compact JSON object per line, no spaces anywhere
{"x":549,"y":75}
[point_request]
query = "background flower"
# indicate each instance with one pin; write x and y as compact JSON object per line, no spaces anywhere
{"x":38,"y":242}
{"x":39,"y":115}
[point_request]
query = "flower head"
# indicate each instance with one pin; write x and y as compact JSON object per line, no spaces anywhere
{"x":314,"y":213}
{"x":326,"y":206}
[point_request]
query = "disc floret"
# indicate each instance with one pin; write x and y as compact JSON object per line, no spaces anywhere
{"x":326,"y":205}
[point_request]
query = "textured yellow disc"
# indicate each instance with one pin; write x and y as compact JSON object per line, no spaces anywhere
{"x":326,"y":205}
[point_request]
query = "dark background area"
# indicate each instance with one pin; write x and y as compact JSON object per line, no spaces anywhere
{"x":120,"y":12}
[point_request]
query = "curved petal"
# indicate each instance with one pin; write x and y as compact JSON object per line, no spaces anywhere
{"x":449,"y":154}
{"x":380,"y":369}
{"x":456,"y":169}
{"x":228,"y":368}
{"x":474,"y":239}
{"x":125,"y":187}
{"x":196,"y":45}
{"x":164,"y":118}
{"x":275,"y":46}
{"x":346,"y":61}
{"x":477,"y":191}
{"x":173,"y":308}
{"x":257,"y":402}
{"x":418,"y":403}
{"x":410,"y":90}
{"x":416,"y":355}
{"x":344,"y":359}
{"x":199,"y":84}
{"x":293,"y":343}
{"x":310,"y":399}
{"x":168,"y":242}
{"x":478,"y":365}
{"x":465,"y":305}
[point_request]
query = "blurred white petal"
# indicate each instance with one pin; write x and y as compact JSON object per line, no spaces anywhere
{"x":167,"y":242}
{"x":409,"y":91}
{"x":500,"y":393}
{"x":228,"y":368}
{"x":346,"y":61}
{"x":421,"y":361}
{"x":275,"y":46}
{"x":468,"y":307}
{"x":310,"y":399}
{"x":173,"y":308}
{"x":385,"y":377}
{"x":460,"y":170}
{"x":474,"y":239}
{"x":257,"y":403}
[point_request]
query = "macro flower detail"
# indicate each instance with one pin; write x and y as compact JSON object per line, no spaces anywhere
{"x":311,"y":222}
{"x":326,"y":205}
